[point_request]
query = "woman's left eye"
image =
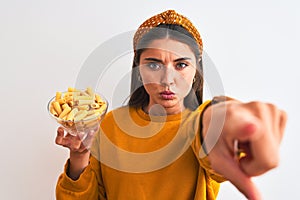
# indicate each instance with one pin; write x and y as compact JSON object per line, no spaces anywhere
{"x":181,"y":65}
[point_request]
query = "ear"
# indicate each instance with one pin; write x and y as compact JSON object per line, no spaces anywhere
{"x":199,"y":59}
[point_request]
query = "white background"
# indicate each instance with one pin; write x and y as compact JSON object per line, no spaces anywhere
{"x":43,"y":44}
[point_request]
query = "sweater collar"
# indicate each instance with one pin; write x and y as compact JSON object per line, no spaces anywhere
{"x":164,"y":118}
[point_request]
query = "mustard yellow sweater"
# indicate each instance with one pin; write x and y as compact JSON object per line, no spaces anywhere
{"x":140,"y":157}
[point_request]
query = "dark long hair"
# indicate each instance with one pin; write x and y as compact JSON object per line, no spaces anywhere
{"x":139,"y":97}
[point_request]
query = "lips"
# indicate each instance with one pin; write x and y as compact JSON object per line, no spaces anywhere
{"x":167,"y":95}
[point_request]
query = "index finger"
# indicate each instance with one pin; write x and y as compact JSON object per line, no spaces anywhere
{"x":60,"y":135}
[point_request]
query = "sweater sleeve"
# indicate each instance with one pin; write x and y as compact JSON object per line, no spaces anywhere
{"x":88,"y":186}
{"x":200,"y":149}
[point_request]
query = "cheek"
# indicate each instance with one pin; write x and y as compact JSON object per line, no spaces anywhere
{"x":188,"y":77}
{"x":186,"y":81}
{"x":150,"y":78}
{"x":151,"y":88}
{"x":147,"y":78}
{"x":189,"y":80}
{"x":151,"y":81}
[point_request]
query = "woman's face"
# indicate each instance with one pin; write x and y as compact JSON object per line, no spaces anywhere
{"x":167,"y":68}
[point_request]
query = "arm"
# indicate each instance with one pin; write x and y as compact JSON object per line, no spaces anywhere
{"x":79,"y":153}
{"x":88,"y":186}
{"x":257,"y":127}
{"x":82,"y":174}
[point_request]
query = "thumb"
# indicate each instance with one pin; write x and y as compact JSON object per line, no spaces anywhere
{"x":231,"y":170}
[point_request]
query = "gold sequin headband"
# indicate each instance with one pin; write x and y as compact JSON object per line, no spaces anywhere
{"x":167,"y":17}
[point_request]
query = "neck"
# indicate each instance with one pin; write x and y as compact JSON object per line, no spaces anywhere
{"x":159,"y":110}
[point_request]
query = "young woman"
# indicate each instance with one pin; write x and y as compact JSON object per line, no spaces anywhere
{"x":167,"y":143}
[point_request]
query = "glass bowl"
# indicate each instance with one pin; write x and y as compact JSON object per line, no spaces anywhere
{"x":77,"y":125}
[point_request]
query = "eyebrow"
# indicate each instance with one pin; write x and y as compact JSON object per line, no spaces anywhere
{"x":176,"y":60}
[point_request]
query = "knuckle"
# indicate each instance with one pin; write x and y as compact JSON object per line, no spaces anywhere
{"x":284,"y":115}
{"x":261,"y":169}
{"x":58,"y":141}
{"x":254,"y":103}
{"x":262,"y":109}
{"x":260,"y":104}
{"x":268,"y":164}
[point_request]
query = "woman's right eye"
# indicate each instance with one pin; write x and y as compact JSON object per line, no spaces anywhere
{"x":154,"y":66}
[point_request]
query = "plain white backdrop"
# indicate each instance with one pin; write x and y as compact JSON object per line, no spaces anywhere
{"x":43,"y":45}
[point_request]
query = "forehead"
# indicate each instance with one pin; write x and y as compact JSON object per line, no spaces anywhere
{"x":169,"y":46}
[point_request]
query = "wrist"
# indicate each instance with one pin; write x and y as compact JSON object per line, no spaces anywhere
{"x":77,"y":163}
{"x":202,"y":131}
{"x":205,"y":118}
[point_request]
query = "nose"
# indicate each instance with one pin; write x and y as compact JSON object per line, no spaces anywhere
{"x":168,"y":76}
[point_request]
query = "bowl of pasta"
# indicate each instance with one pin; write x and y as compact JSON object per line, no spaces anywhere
{"x":78,"y":111}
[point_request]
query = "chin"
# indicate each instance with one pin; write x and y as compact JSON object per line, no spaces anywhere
{"x":169,"y":104}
